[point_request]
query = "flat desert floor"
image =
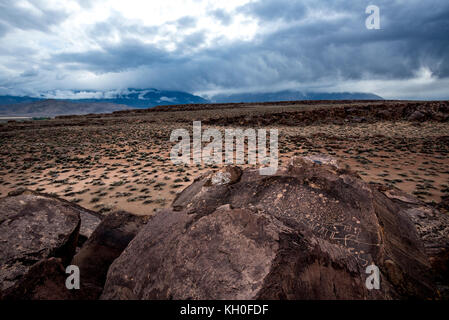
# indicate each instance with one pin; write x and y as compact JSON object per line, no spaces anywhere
{"x":122,"y":160}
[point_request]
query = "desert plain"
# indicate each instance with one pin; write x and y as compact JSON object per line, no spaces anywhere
{"x":121,"y":161}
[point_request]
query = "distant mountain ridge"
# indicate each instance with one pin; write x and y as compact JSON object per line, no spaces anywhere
{"x":72,"y":102}
{"x":288,"y":95}
{"x":50,"y":108}
{"x":136,"y":98}
{"x":6,"y":100}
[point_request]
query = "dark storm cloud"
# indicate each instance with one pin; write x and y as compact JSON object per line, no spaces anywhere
{"x":128,"y":54}
{"x":272,"y":10}
{"x":116,"y":24}
{"x":413,"y":35}
{"x":301,"y":42}
{"x":36,"y":18}
{"x":192,"y":41}
{"x":29,"y":73}
{"x":3,"y":29}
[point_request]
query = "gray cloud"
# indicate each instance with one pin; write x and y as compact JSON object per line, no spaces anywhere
{"x":192,"y":41}
{"x":303,"y":42}
{"x":115,"y":58}
{"x":38,"y":18}
{"x":272,"y":10}
{"x":186,"y":22}
{"x":29,"y":73}
{"x":86,"y":3}
{"x":117,"y":24}
{"x":222,"y":16}
{"x":3,"y":29}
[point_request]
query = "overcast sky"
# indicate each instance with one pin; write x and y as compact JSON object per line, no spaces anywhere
{"x":208,"y":47}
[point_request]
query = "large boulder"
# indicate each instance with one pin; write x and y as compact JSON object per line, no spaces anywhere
{"x":89,"y":219}
{"x":307,"y":232}
{"x":105,"y":244}
{"x":416,"y":116}
{"x":432,"y":228}
{"x":34,"y":227}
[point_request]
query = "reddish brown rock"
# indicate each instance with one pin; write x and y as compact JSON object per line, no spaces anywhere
{"x":106,"y":243}
{"x":307,"y":232}
{"x":416,"y":116}
{"x":35,"y":227}
{"x":45,"y":280}
{"x":444,"y":204}
{"x":432,"y":228}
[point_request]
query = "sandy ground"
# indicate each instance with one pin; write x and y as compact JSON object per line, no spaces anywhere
{"x":113,"y":166}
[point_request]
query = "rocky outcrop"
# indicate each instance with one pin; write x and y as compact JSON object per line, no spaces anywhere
{"x":444,"y":204}
{"x":307,"y":232}
{"x":38,"y":237}
{"x":416,"y":116}
{"x":45,"y":280}
{"x":106,"y":243}
{"x":336,"y":112}
{"x":365,"y":112}
{"x":432,"y":229}
{"x":89,"y":219}
{"x":34,"y":227}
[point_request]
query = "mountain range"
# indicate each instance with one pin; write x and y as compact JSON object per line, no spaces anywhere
{"x":135,"y":98}
{"x":51,"y":107}
{"x":288,"y":95}
{"x":54,"y":103}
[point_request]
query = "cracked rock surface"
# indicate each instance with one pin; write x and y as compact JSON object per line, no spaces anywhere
{"x":307,"y":232}
{"x":34,"y":227}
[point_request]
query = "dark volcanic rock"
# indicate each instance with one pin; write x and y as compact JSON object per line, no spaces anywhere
{"x":45,"y":280}
{"x":444,"y":204}
{"x":89,"y":219}
{"x":432,"y":228}
{"x":364,"y":112}
{"x":307,"y":232}
{"x":106,"y":243}
{"x":416,"y":116}
{"x":34,"y":227}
